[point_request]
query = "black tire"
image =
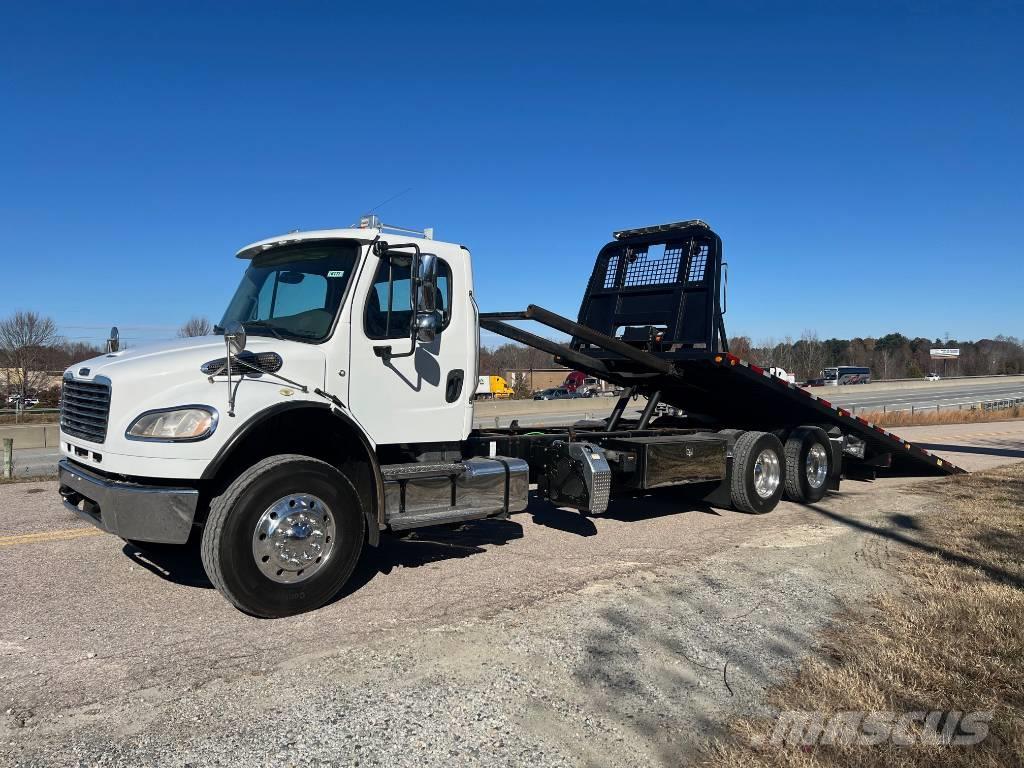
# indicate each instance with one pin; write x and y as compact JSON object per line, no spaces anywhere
{"x":745,"y":472}
{"x":799,"y":446}
{"x":227,"y":543}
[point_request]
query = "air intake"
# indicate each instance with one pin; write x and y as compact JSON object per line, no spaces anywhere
{"x":85,"y":407}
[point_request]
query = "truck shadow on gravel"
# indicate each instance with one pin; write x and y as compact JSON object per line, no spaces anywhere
{"x":176,"y":564}
{"x":182,"y":565}
{"x":1005,"y":448}
{"x":671,"y":665}
{"x":625,"y":509}
{"x":911,"y":534}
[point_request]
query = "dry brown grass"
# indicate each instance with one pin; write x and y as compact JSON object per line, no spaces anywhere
{"x":29,"y":418}
{"x":32,"y":479}
{"x":951,"y":637}
{"x":932,"y":417}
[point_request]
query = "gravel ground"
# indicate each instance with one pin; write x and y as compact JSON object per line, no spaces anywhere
{"x":624,"y":671}
{"x":549,"y":640}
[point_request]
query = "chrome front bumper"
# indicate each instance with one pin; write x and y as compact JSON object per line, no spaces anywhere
{"x":129,"y":510}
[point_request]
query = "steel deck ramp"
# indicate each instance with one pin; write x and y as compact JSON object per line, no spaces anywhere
{"x":716,"y":385}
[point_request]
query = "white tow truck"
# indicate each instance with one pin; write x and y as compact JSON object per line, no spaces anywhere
{"x":336,"y":405}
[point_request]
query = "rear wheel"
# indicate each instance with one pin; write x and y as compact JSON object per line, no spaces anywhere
{"x":284,"y":537}
{"x":758,"y":470}
{"x":808,"y":465}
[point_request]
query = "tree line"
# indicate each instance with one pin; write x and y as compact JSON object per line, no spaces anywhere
{"x":893,"y":356}
{"x":31,"y":351}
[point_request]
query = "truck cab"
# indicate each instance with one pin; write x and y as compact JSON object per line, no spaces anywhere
{"x":331,"y":310}
{"x":355,"y":347}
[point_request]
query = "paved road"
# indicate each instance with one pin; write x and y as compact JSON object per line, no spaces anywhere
{"x":550,"y":639}
{"x":944,"y":394}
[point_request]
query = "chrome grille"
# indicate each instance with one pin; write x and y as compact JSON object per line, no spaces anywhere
{"x":85,"y":406}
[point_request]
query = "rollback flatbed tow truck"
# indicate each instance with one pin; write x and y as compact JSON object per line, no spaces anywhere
{"x":336,"y":406}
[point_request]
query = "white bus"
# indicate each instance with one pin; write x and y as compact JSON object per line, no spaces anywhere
{"x":846,"y":374}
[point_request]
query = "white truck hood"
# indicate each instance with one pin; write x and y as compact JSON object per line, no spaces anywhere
{"x":167,"y":375}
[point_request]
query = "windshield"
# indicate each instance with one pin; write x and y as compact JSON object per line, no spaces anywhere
{"x":294,"y":291}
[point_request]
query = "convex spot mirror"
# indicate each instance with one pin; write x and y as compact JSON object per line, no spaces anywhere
{"x":234,"y":335}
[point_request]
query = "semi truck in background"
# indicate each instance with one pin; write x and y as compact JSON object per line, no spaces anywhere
{"x":336,"y":409}
{"x":783,"y":374}
{"x":591,"y":386}
{"x":493,"y":388}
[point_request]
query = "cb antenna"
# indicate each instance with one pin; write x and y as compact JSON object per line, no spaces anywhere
{"x":393,"y":197}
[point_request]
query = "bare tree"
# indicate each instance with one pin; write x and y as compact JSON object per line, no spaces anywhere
{"x":808,"y":355}
{"x":196,"y":326}
{"x":24,"y":339}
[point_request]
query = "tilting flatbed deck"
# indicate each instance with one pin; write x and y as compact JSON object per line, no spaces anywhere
{"x":654,"y":325}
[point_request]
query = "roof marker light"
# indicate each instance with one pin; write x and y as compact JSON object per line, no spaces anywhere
{"x":675,"y":225}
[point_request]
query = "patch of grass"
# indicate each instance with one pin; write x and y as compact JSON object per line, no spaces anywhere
{"x":32,"y":479}
{"x":929,"y":418}
{"x":29,"y":418}
{"x":950,"y":637}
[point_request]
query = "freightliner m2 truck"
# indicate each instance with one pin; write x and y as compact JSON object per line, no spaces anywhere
{"x":336,"y":406}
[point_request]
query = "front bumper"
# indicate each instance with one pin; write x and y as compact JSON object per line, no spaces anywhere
{"x":129,"y":510}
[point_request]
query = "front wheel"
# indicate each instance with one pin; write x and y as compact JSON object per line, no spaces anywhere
{"x":284,"y":537}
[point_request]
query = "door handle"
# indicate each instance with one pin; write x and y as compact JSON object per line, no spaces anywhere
{"x":453,"y":387}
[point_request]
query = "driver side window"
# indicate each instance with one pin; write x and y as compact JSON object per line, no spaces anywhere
{"x":389,"y":310}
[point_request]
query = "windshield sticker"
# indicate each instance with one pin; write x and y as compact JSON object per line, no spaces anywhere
{"x":336,"y":273}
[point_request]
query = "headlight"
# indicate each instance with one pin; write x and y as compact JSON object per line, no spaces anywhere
{"x":190,"y":423}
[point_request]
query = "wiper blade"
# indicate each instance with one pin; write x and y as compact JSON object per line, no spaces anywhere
{"x":265,"y":324}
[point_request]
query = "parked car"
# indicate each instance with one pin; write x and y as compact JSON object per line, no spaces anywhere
{"x":558,"y":393}
{"x":932,"y":377}
{"x":30,"y":402}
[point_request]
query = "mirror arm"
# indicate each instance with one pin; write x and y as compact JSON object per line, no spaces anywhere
{"x":231,"y":391}
{"x":279,"y":377}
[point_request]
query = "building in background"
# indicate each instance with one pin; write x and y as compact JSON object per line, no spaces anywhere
{"x":537,"y":378}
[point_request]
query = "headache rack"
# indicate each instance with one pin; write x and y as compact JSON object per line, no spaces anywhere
{"x":651,"y":321}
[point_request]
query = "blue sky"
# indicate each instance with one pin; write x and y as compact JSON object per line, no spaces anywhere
{"x":862,"y":162}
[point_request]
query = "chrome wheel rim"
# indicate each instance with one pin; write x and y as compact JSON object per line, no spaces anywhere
{"x":816,"y":466}
{"x":294,"y":538}
{"x":767,"y":473}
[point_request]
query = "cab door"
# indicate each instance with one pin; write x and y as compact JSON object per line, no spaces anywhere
{"x":408,"y":398}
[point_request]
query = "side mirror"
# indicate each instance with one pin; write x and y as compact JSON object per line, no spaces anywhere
{"x":114,"y":342}
{"x":427,"y":323}
{"x":426,"y":283}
